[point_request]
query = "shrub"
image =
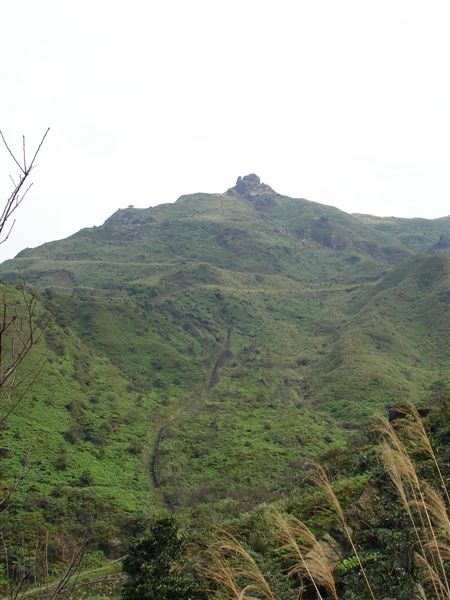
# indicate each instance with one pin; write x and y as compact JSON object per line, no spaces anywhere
{"x":152,"y":567}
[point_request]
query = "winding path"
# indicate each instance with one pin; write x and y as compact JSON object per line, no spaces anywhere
{"x":162,"y":431}
{"x":154,"y":463}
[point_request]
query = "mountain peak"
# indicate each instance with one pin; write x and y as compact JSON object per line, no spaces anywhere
{"x":248,"y":180}
{"x":250,"y":187}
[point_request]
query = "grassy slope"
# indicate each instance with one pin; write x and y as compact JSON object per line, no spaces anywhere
{"x":295,"y":238}
{"x":396,"y":342}
{"x":416,"y":234}
{"x":86,"y":436}
{"x":326,"y":324}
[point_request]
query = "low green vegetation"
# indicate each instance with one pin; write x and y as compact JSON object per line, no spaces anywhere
{"x":201,"y":355}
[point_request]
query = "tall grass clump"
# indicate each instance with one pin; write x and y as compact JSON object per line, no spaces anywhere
{"x":425,"y":506}
{"x":234,"y":570}
{"x":319,"y":478}
{"x":305,"y":554}
{"x":405,"y":451}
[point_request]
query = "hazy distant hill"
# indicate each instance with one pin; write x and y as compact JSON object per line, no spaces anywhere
{"x":258,"y":328}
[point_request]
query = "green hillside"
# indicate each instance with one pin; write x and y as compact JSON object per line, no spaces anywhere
{"x":202,"y":353}
{"x":256,"y":231}
{"x":395,"y":342}
{"x":83,"y":434}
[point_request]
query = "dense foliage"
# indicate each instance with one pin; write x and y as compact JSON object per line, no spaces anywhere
{"x":151,"y":567}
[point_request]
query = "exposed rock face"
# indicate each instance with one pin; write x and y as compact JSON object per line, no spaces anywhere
{"x":324,"y":232}
{"x":444,"y":242}
{"x":250,"y":187}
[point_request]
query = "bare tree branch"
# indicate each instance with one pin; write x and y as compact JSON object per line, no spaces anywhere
{"x":21,"y":327}
{"x":11,"y":152}
{"x":16,"y":197}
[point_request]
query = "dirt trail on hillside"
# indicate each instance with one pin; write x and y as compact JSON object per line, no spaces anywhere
{"x":224,"y":354}
{"x":163,"y":430}
{"x":154,"y":463}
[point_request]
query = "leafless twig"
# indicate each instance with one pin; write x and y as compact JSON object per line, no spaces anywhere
{"x":20,"y":188}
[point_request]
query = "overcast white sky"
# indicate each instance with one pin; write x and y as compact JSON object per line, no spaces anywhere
{"x":342,"y":102}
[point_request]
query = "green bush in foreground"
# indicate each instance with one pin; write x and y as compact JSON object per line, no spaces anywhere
{"x":152,"y":567}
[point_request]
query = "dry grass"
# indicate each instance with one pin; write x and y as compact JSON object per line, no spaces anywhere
{"x":305,"y":553}
{"x":321,"y":480}
{"x":238,"y":576}
{"x":230,"y":566}
{"x":412,"y":429}
{"x":425,"y":507}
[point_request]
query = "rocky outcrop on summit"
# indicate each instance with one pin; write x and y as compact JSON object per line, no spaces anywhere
{"x":251,"y":188}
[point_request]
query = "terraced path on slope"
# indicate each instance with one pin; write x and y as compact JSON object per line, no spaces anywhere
{"x":294,"y":290}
